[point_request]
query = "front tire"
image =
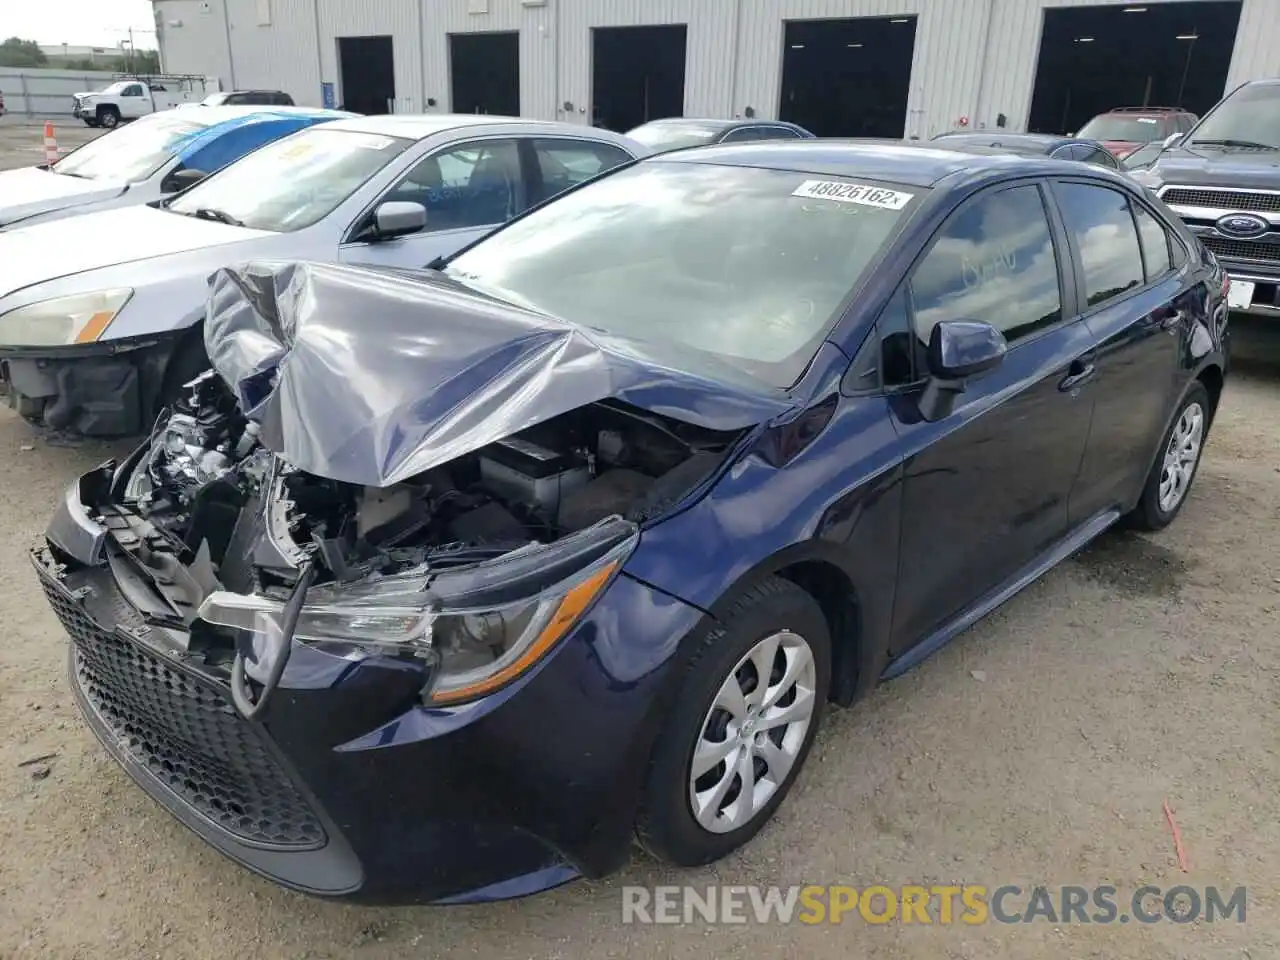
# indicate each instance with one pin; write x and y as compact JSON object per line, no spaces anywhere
{"x":109,"y":117}
{"x":743,"y":723}
{"x":1176,"y":465}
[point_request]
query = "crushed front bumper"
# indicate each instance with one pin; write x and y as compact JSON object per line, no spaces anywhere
{"x":349,"y":787}
{"x":107,"y":389}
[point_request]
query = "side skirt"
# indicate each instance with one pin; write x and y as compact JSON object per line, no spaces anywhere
{"x":1063,"y":549}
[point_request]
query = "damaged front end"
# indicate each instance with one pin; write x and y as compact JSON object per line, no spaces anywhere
{"x":272,"y":585}
{"x":472,"y":570}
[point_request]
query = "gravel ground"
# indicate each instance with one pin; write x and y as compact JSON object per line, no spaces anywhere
{"x":1037,"y":748}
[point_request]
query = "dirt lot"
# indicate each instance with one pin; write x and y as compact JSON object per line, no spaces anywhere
{"x":1037,"y":748}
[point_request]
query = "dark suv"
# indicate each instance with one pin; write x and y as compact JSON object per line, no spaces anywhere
{"x":249,"y":98}
{"x":1223,"y":179}
{"x":1126,"y":129}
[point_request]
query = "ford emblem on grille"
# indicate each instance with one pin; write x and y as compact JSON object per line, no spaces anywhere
{"x":1242,"y":226}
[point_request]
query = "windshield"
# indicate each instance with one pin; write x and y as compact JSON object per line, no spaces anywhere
{"x":131,"y":153}
{"x":747,"y":264}
{"x":294,"y":182}
{"x":1143,"y":156}
{"x":1250,"y":115}
{"x":1110,"y":126}
{"x":674,"y":136}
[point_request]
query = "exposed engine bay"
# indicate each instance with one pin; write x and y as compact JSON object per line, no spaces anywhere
{"x":235,"y":516}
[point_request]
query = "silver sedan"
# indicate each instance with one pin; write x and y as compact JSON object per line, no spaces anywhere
{"x":100,"y":315}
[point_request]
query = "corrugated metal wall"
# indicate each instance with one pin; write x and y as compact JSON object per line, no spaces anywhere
{"x":399,"y":19}
{"x":281,"y":55}
{"x":193,"y":38}
{"x":973,"y":58}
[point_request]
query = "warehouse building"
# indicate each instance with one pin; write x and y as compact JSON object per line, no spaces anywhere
{"x":839,"y":67}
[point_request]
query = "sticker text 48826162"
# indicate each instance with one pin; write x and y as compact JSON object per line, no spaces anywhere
{"x":860,"y":193}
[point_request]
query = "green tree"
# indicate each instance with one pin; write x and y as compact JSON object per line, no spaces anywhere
{"x":16,"y":52}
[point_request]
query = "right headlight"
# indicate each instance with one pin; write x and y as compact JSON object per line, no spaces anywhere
{"x":79,"y":318}
{"x":473,"y":651}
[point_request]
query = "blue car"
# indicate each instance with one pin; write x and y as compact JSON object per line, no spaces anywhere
{"x":146,"y":161}
{"x":447,"y":585}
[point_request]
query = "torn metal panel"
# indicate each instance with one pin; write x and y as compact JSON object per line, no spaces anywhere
{"x":374,"y":376}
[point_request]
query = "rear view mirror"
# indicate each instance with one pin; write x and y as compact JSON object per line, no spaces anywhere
{"x":396,"y":218}
{"x":181,"y":179}
{"x":958,"y":350}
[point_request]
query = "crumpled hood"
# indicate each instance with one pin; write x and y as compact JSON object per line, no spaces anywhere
{"x":373,"y":376}
{"x":61,"y":248}
{"x":30,"y":191}
{"x":1211,"y":167}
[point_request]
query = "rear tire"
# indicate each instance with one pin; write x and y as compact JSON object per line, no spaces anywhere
{"x":737,"y":737}
{"x":1169,"y":482}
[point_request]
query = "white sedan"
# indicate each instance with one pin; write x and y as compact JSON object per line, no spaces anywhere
{"x":149,"y":159}
{"x":100,"y":316}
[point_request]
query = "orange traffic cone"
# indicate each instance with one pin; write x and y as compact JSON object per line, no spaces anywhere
{"x":50,"y":144}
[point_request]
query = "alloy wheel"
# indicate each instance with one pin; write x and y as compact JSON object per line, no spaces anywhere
{"x":1181,"y":456}
{"x":753,"y":732}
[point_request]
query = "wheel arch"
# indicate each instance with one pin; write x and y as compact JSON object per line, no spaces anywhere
{"x":1213,"y":379}
{"x":818,"y":568}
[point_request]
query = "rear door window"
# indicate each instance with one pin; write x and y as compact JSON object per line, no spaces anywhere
{"x":1101,"y":225}
{"x":743,"y":134}
{"x":565,"y":163}
{"x":1155,"y":243}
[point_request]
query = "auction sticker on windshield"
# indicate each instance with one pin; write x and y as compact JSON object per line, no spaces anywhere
{"x":860,"y":193}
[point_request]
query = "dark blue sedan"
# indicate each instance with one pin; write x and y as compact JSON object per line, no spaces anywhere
{"x":447,"y":585}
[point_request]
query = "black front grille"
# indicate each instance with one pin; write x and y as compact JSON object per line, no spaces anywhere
{"x":187,"y":735}
{"x":1222,"y":199}
{"x":1243,"y":249}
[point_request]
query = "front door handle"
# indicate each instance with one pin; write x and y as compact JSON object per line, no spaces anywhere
{"x":1079,"y":372}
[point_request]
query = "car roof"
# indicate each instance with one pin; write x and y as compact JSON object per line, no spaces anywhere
{"x":1023,"y":142}
{"x":215,"y":115}
{"x":1143,"y":111}
{"x":912,"y":162}
{"x":717,"y":123}
{"x":423,"y":125}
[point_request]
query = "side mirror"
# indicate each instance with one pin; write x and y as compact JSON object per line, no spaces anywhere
{"x":958,"y":350}
{"x":1172,"y":140}
{"x":181,"y":179}
{"x":396,"y":218}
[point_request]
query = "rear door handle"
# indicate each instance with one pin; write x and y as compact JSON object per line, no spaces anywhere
{"x":1080,"y":371}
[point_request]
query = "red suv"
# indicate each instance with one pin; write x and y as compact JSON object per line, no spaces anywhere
{"x":1125,"y":129}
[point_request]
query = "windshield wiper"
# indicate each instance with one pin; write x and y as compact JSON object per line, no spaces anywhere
{"x":1244,"y":144}
{"x":211,"y":213}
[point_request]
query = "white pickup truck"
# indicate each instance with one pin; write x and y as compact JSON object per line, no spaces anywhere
{"x":132,"y":98}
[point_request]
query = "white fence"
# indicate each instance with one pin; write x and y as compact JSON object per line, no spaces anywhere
{"x":46,"y":93}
